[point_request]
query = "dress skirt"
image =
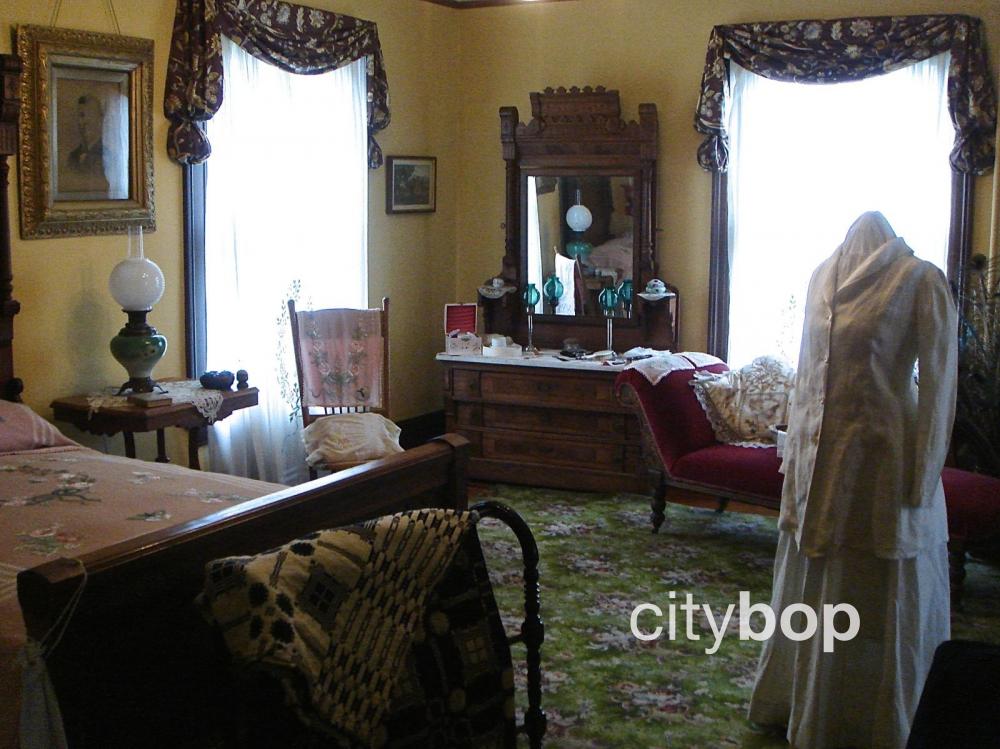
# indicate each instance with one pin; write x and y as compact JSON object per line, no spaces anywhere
{"x":865,"y":692}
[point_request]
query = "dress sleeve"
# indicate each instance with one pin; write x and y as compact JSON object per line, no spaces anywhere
{"x":937,"y":331}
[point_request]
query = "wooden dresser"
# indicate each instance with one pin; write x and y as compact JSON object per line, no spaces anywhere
{"x":543,"y":422}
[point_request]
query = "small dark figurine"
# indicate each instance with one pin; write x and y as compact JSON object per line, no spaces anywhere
{"x":241,"y":379}
{"x":217,"y":380}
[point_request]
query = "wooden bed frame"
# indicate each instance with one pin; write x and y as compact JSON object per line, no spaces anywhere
{"x":134,"y":663}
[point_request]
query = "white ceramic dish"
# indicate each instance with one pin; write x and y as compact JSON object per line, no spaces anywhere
{"x":655,"y":297}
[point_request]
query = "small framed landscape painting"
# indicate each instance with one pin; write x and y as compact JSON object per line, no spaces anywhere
{"x":410,"y":184}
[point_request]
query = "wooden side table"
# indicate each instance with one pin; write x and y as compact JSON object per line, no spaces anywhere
{"x":129,"y":419}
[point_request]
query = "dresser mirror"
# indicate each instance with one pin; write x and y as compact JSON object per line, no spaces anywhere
{"x":580,"y":228}
{"x":580,"y":208}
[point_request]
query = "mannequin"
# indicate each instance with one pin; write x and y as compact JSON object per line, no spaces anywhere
{"x":862,"y":509}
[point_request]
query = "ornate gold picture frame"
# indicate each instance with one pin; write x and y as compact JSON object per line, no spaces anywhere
{"x":86,"y":133}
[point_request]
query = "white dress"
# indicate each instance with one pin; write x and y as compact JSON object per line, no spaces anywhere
{"x":862,"y":512}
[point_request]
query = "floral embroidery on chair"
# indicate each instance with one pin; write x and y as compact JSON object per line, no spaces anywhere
{"x":342,"y":365}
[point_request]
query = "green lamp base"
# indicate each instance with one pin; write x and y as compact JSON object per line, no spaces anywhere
{"x":138,"y":348}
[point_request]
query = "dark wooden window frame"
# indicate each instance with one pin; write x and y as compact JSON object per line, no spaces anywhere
{"x":959,"y":241}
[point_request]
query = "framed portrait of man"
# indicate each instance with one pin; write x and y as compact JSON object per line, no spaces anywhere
{"x":86,"y":163}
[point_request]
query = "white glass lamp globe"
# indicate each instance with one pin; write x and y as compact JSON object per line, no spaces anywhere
{"x":136,"y":283}
{"x":578,"y":217}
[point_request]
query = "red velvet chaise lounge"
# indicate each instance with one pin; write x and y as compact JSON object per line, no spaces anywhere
{"x":680,"y":442}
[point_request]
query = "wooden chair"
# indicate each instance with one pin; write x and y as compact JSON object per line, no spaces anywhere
{"x":341,"y":397}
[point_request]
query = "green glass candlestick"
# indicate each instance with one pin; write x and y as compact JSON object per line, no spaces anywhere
{"x":531,"y":297}
{"x":608,"y":299}
{"x":626,"y":292}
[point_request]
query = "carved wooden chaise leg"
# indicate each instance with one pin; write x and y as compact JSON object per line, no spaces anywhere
{"x":658,"y":503}
{"x":956,"y":572}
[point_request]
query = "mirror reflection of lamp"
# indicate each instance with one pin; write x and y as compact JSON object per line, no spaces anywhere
{"x":136,"y":283}
{"x":579,"y":219}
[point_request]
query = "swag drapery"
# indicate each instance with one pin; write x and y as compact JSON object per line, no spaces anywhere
{"x":295,"y":38}
{"x":849,"y":49}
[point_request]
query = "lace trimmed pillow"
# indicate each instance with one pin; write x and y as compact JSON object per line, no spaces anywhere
{"x":742,"y":404}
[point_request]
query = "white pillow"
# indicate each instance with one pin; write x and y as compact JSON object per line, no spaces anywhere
{"x":350,"y":438}
{"x":742,"y":404}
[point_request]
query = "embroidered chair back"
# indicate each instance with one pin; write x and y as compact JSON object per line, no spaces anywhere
{"x":342,"y":360}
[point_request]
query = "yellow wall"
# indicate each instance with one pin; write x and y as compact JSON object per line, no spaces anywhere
{"x":651,"y":51}
{"x":67,"y":315}
{"x":449,"y":72}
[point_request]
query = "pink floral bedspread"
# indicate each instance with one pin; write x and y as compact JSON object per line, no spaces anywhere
{"x":66,"y":501}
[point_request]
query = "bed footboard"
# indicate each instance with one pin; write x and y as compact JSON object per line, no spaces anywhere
{"x":532,"y":632}
{"x":135,"y":664}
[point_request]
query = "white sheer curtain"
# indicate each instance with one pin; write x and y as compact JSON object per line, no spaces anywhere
{"x":534,"y":245}
{"x":805,"y":161}
{"x":286,"y":215}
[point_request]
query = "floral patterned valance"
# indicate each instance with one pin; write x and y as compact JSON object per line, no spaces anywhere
{"x":849,"y":49}
{"x":293,"y":37}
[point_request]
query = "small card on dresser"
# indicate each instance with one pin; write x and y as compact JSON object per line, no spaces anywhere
{"x":150,"y":400}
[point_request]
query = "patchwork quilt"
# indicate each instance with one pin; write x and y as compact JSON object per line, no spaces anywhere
{"x":384,"y":634}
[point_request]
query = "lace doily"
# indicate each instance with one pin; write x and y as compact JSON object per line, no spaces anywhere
{"x":207,"y":402}
{"x":663,"y":363}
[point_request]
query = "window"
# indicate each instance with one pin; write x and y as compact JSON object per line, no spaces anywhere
{"x":805,"y":161}
{"x":286,"y":215}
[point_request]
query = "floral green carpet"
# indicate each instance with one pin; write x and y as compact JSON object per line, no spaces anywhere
{"x":604,"y":688}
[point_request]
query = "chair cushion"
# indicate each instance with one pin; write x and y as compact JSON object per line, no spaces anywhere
{"x":973,"y":501}
{"x":349,"y":439}
{"x":675,"y":417}
{"x":741,"y":469}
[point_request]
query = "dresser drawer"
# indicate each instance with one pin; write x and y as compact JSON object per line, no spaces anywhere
{"x":467,"y":414}
{"x":555,"y":389}
{"x":555,"y":420}
{"x":537,"y":448}
{"x":464,"y":383}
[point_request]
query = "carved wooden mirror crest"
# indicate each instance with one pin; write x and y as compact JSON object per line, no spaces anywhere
{"x":581,"y":207}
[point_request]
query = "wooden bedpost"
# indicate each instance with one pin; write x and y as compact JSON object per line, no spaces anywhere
{"x":10,"y":70}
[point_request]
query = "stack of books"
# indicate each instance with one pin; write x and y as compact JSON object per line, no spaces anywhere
{"x":150,"y":400}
